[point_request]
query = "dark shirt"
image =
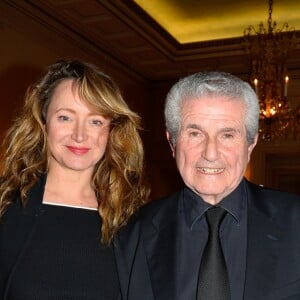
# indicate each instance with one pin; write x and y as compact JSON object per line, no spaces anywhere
{"x":65,"y":260}
{"x":233,"y":232}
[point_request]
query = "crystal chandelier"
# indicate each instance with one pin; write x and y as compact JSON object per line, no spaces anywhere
{"x":269,"y":48}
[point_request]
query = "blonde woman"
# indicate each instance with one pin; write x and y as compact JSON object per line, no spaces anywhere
{"x":72,"y":177}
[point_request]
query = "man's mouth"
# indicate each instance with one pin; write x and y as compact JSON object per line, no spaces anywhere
{"x":211,"y":170}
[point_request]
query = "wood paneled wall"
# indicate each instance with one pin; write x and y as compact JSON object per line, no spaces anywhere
{"x":28,"y":46}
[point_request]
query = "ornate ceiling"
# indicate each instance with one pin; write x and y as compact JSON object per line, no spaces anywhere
{"x":194,"y":20}
{"x":123,"y":31}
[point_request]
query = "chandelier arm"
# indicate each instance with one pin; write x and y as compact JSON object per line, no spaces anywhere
{"x":268,"y":49}
{"x":270,"y":28}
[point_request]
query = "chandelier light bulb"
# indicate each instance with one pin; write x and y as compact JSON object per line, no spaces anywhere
{"x":286,"y":80}
{"x":255,"y":85}
{"x":269,"y":48}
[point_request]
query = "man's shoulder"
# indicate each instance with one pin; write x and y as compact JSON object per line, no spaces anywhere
{"x":164,"y":204}
{"x":164,"y":208}
{"x":274,"y":201}
{"x":271,"y":194}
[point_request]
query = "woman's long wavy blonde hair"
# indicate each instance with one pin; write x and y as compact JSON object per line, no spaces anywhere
{"x":118,"y":178}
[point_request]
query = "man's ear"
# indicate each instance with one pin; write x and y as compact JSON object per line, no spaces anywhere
{"x":252,"y":146}
{"x":170,"y":143}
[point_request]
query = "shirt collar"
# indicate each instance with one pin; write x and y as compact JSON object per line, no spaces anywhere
{"x":194,"y":207}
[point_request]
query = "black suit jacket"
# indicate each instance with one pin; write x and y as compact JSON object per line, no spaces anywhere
{"x":16,"y":228}
{"x":149,"y":250}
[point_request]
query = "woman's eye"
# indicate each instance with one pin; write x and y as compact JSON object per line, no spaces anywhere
{"x":96,"y":122}
{"x":63,"y":118}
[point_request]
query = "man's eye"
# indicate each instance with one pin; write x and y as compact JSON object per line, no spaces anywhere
{"x":228,"y":136}
{"x":194,"y":133}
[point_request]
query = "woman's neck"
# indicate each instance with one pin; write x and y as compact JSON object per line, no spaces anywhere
{"x":70,"y":188}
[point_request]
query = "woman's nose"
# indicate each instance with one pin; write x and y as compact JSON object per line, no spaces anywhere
{"x":79,"y":132}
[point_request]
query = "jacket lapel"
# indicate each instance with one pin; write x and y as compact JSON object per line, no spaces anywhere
{"x":262,"y":248}
{"x":161,"y":251}
{"x":21,"y":222}
{"x":125,"y":246}
{"x":169,"y":255}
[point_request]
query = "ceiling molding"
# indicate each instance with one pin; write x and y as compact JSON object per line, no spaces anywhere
{"x":130,"y":39}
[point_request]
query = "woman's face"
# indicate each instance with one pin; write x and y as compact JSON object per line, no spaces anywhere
{"x":77,"y":134}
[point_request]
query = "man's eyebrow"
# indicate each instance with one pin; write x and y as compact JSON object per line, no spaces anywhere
{"x":193,"y":126}
{"x":229,"y":129}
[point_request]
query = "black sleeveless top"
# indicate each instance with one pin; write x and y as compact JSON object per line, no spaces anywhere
{"x":65,"y":259}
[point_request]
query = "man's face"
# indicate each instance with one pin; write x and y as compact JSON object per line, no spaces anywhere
{"x":211,"y":149}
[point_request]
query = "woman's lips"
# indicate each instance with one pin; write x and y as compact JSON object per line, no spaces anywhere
{"x":78,"y":150}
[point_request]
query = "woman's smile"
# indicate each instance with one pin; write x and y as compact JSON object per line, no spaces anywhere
{"x":78,"y":150}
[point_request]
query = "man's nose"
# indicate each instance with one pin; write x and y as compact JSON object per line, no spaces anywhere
{"x":210,"y":151}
